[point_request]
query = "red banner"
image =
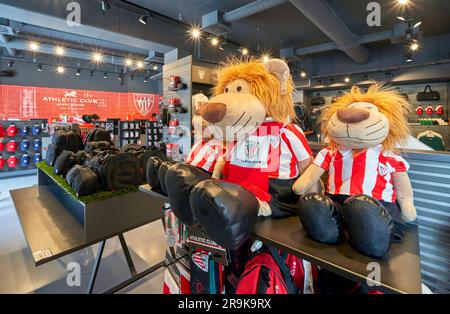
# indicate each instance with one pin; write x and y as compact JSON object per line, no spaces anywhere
{"x":25,"y":102}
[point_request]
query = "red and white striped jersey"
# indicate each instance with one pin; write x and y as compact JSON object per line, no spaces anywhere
{"x":205,"y":153}
{"x":294,"y":149}
{"x":368,"y":172}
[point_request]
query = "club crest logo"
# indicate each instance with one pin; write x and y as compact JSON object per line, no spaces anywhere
{"x":201,"y":74}
{"x":251,"y":149}
{"x":201,"y":260}
{"x":144,"y":104}
{"x":383,"y":169}
{"x":71,"y":94}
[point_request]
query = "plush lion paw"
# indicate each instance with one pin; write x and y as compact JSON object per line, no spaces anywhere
{"x":409,"y":212}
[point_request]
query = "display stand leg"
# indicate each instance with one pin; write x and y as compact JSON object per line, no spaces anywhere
{"x":127,"y":254}
{"x":97,"y":261}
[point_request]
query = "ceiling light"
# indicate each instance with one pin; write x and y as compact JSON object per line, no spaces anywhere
{"x":408,"y":55}
{"x":215,"y":41}
{"x":139,"y":64}
{"x":155,"y":68}
{"x":105,"y":75}
{"x":401,"y":18}
{"x":59,"y":51}
{"x":347,"y":79}
{"x":97,"y":57}
{"x":414,"y":46}
{"x":105,"y":5}
{"x":303,"y":74}
{"x":195,"y":32}
{"x":34,"y":46}
{"x":39,"y":68}
{"x":403,"y":2}
{"x":78,"y":72}
{"x":128,"y":62}
{"x":244,"y":51}
{"x":60,"y":69}
{"x":145,"y":79}
{"x":144,"y":19}
{"x":417,"y":24}
{"x":265,"y":58}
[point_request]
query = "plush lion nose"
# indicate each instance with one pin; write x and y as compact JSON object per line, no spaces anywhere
{"x":212,"y":112}
{"x":352,"y":115}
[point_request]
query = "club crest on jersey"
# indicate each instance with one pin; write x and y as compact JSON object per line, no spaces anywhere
{"x":383,"y":169}
{"x":251,"y":149}
{"x":201,"y":260}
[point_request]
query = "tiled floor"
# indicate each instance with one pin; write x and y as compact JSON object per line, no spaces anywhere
{"x":19,"y":275}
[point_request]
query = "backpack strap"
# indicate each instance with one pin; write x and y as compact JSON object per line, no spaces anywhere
{"x":290,"y":285}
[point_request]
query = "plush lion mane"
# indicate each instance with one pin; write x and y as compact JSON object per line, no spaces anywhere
{"x":264,"y":85}
{"x":388,"y":101}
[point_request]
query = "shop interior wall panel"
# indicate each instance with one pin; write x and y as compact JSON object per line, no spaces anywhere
{"x":183,"y":69}
{"x":430,"y":177}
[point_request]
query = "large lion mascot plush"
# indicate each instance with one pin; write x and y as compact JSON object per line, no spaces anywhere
{"x":251,"y":112}
{"x":368,"y":185}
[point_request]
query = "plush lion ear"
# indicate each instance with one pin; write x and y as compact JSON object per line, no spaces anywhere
{"x":281,"y":70}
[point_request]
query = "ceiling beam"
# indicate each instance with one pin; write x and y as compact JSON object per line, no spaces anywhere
{"x":250,"y":9}
{"x":60,"y":24}
{"x":325,"y":18}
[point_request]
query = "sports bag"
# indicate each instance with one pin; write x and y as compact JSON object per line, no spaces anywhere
{"x":64,"y":162}
{"x":318,"y":100}
{"x":67,"y":140}
{"x":81,"y":157}
{"x":116,"y":170}
{"x":53,"y":152}
{"x":428,"y":94}
{"x":83,"y":180}
{"x":266,"y":273}
{"x":100,"y":145}
{"x":97,"y":135}
{"x":138,"y":151}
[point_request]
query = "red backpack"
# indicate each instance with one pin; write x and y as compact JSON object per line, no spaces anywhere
{"x":266,"y":273}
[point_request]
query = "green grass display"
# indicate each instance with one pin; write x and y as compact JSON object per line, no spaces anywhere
{"x":96,"y":197}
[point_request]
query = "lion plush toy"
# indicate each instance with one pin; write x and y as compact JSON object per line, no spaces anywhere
{"x":250,"y":111}
{"x":368,"y":185}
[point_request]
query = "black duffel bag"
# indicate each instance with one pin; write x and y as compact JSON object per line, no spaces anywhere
{"x":428,"y":95}
{"x":116,"y":170}
{"x":81,"y":156}
{"x":67,"y":140}
{"x":53,"y":152}
{"x":100,"y":145}
{"x":98,"y":135}
{"x":64,"y":162}
{"x":83,"y":180}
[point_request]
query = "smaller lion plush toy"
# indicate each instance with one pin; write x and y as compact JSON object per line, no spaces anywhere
{"x":368,"y":185}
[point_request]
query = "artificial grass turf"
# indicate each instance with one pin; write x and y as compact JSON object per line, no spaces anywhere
{"x":92,"y":198}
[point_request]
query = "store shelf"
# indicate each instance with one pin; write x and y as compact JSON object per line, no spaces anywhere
{"x":400,"y":272}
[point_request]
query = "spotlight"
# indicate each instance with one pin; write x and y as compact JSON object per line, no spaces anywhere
{"x":244,"y":51}
{"x":215,"y":41}
{"x":91,"y":74}
{"x":195,"y":32}
{"x":105,"y":5}
{"x":60,"y":69}
{"x":39,"y":68}
{"x":34,"y":46}
{"x":265,"y":58}
{"x":303,"y":74}
{"x":128,"y":62}
{"x":401,"y":18}
{"x":97,"y":57}
{"x":417,"y":24}
{"x":145,"y":79}
{"x":59,"y":51}
{"x":139,"y":64}
{"x":10,"y":64}
{"x":414,"y":46}
{"x":403,"y":2}
{"x":347,"y":79}
{"x":144,"y":19}
{"x":78,"y":72}
{"x":105,"y":75}
{"x":155,"y":67}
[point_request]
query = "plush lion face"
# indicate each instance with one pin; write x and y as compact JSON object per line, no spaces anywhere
{"x":362,"y":120}
{"x":244,"y":95}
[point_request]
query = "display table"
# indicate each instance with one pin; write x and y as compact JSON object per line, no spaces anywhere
{"x":400,"y":273}
{"x":52,"y":232}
